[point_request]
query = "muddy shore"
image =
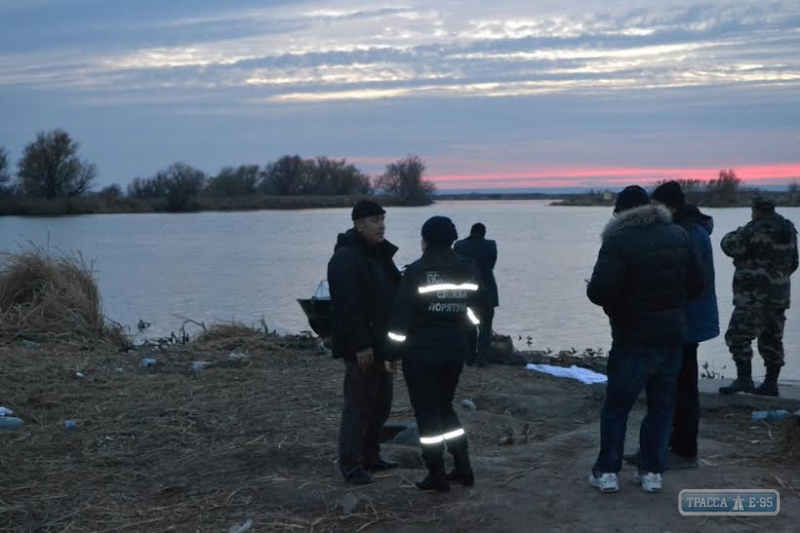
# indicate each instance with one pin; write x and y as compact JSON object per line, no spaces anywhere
{"x":252,"y":437}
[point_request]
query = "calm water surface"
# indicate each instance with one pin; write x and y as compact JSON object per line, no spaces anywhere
{"x":213,"y":267}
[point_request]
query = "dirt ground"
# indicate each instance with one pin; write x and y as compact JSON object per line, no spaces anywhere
{"x":171,"y":449}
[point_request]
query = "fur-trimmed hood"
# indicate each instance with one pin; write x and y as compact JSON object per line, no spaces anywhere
{"x":646,"y":215}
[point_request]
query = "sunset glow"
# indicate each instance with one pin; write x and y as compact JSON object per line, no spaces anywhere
{"x":778,"y":174}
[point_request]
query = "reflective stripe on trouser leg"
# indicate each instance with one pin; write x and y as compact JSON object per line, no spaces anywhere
{"x":439,"y":439}
{"x":433,"y":454}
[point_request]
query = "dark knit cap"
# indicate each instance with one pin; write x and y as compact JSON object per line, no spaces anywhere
{"x":439,"y":231}
{"x":669,"y":194}
{"x":478,"y":229}
{"x":762,"y":203}
{"x":366,"y":208}
{"x":630,"y":197}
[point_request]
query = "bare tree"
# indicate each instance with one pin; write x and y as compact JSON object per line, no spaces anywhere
{"x":183,"y":184}
{"x":111,"y":192}
{"x":332,"y":176}
{"x":4,"y":177}
{"x":242,"y":181}
{"x":148,"y":188}
{"x":725,"y":189}
{"x":404,"y":178}
{"x":285,"y":177}
{"x":51,"y":168}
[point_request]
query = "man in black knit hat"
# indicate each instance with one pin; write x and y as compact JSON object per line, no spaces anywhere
{"x":363,"y":281}
{"x":645,"y":274}
{"x":702,"y":323}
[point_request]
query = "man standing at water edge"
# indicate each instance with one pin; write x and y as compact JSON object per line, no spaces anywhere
{"x":702,"y":324}
{"x":645,"y":273}
{"x":363,"y":281}
{"x":483,"y":252}
{"x":764,"y":253}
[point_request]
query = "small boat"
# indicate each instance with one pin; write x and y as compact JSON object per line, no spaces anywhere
{"x":318,"y":310}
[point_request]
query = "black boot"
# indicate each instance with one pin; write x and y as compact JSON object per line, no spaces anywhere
{"x":743,"y":381}
{"x":435,"y":480}
{"x":462,"y":473}
{"x":770,"y":385}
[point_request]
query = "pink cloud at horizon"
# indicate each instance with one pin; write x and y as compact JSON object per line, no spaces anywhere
{"x":601,"y":176}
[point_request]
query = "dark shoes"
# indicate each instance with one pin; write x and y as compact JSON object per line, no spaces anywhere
{"x":381,"y":464}
{"x":767,"y":389}
{"x":359,"y":477}
{"x":739,"y":385}
{"x":463,"y":478}
{"x":435,"y":480}
{"x":770,"y":385}
{"x":743,"y":381}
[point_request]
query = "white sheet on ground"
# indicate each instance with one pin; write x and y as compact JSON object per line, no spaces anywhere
{"x":584,"y":375}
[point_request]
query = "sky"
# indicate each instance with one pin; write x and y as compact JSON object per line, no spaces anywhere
{"x":491,"y":94}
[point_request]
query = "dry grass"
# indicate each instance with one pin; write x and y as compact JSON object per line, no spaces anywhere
{"x":171,"y":449}
{"x":47,"y":297}
{"x":790,"y":440}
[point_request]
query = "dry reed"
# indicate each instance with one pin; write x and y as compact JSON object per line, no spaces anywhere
{"x":49,"y":297}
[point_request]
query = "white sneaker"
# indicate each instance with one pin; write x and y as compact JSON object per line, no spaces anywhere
{"x":649,"y":481}
{"x":606,"y":483}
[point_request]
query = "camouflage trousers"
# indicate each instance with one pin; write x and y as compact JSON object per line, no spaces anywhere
{"x":762,"y":323}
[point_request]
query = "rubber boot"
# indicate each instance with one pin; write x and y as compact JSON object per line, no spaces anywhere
{"x":770,"y":385}
{"x":462,"y":473}
{"x":743,"y":381}
{"x":437,"y":477}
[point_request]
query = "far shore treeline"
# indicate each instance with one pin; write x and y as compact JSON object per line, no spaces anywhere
{"x":52,"y":179}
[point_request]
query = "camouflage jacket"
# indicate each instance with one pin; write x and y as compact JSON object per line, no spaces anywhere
{"x":764,"y":253}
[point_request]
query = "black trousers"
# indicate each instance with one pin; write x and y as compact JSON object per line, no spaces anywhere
{"x":686,"y":420}
{"x":431,"y":386}
{"x":480,"y":338}
{"x":367,"y":406}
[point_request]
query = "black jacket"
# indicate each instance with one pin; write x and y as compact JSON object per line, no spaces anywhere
{"x":645,"y":274}
{"x":484,"y":253}
{"x":363,"y":282}
{"x":438,"y":301}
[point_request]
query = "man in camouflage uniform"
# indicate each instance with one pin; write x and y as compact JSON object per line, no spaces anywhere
{"x":764,"y":253}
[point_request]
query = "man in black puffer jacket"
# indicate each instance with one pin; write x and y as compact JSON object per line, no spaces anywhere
{"x":645,"y":273}
{"x":363,"y":282}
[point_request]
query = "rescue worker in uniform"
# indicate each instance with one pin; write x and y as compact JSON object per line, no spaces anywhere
{"x":363,"y":281}
{"x":764,"y":253}
{"x":433,"y":314}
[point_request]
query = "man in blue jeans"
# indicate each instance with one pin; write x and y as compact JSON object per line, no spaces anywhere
{"x":702,"y":324}
{"x":646,"y":271}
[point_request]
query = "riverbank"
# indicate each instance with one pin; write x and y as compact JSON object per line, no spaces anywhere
{"x":250,"y":435}
{"x":743,"y":199}
{"x":93,"y":205}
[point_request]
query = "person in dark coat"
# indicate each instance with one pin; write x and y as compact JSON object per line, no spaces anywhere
{"x":702,"y":323}
{"x":645,"y":274}
{"x":483,"y":252}
{"x":363,"y":281}
{"x":435,"y":308}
